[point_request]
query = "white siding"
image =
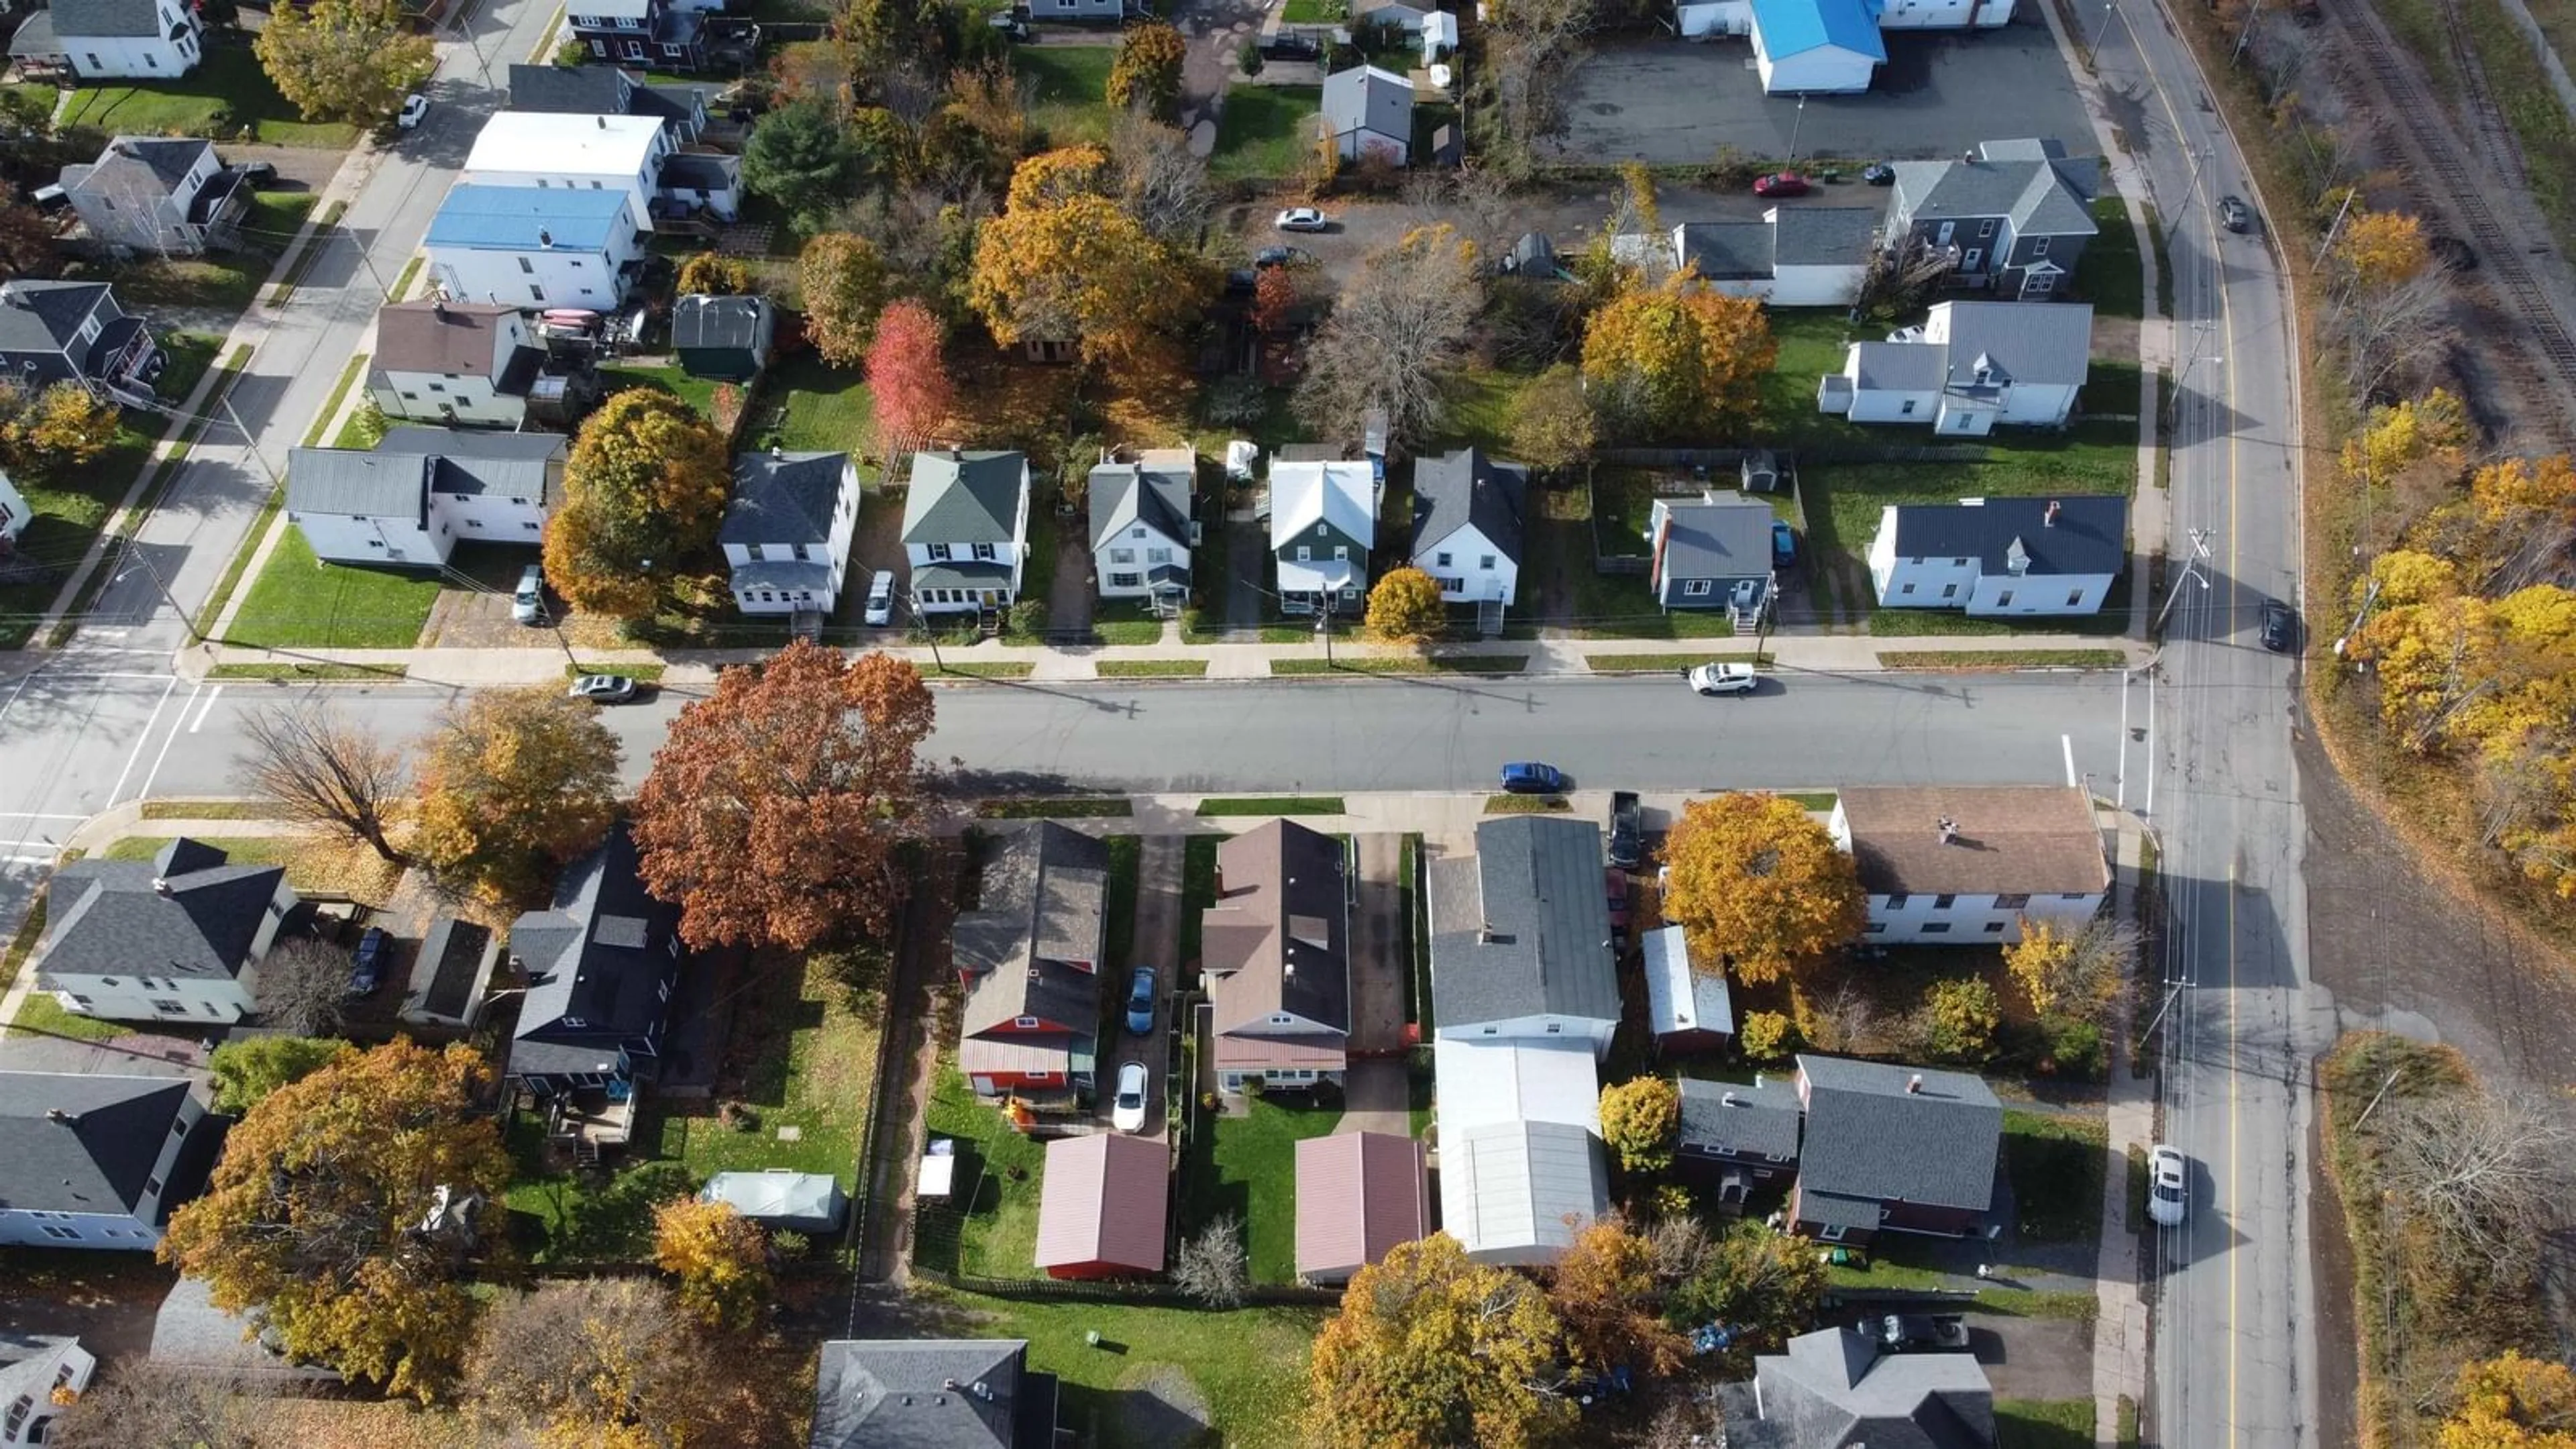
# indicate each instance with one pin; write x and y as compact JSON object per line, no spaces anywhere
{"x":1834,"y":286}
{"x":1714,"y":17}
{"x":432,"y":398}
{"x":489,"y":517}
{"x":1466,"y":578}
{"x":1074,"y":9}
{"x":1358,"y":143}
{"x":1887,"y":405}
{"x":2043,"y":404}
{"x":1549,"y":1027}
{"x":1825,"y":70}
{"x":1968,"y":920}
{"x":1140,"y":560}
{"x":204,"y":1001}
{"x":145,"y":57}
{"x":340,"y":538}
{"x":2065,"y":594}
{"x":26,"y":1228}
{"x":557,"y":277}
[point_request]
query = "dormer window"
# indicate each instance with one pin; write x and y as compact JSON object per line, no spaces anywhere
{"x":1025,"y":1023}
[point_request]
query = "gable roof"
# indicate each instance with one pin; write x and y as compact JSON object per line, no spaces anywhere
{"x":1043,"y":903}
{"x":1549,"y":1079}
{"x":783,"y":497}
{"x":596,"y":962}
{"x":1677,"y":997}
{"x":1466,"y":487}
{"x":1365,"y":98}
{"x":1869,"y":1137}
{"x":697,"y":171}
{"x":959,"y":497}
{"x":1104,"y":1200}
{"x":190,"y":1333}
{"x":581,"y":90}
{"x":37,"y":316}
{"x":30,"y":1363}
{"x":593,"y":145}
{"x":1724,"y":250}
{"x":1340,"y":493}
{"x":2032,"y":183}
{"x":932,"y":1393}
{"x":527,"y":218}
{"x":98,"y":1155}
{"x":1900,"y":366}
{"x":460,"y":338}
{"x":1522,"y":927}
{"x":775,"y":1194}
{"x":1153,"y":490}
{"x":1278,"y":937}
{"x":1794,"y":27}
{"x":2087,"y":535}
{"x":1359,"y":1195}
{"x":347,"y":482}
{"x":1821,"y":236}
{"x":1723,"y":540}
{"x":1512,"y":1187}
{"x":2039,"y":840}
{"x":106,"y":19}
{"x":1760,"y":1120}
{"x":2032,"y":342}
{"x":699,"y":320}
{"x":112,"y":917}
{"x":155,"y":164}
{"x":1834,"y":1389}
{"x":484,"y":460}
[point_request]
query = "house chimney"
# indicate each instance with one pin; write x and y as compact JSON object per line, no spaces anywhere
{"x":57,"y":1114}
{"x":1727,"y":1100}
{"x":982,"y":1390}
{"x":545,"y":237}
{"x":603,"y":125}
{"x":1485,"y":934}
{"x":1288,"y":969}
{"x":1914,"y":1085}
{"x":160,"y":885}
{"x":1967,"y":158}
{"x":2048,"y":518}
{"x":438,"y":308}
{"x":1949,"y":830}
{"x":949,"y":1384}
{"x":776,"y":452}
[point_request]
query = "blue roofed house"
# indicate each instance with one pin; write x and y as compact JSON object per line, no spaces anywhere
{"x":98,"y":1161}
{"x":2000,"y":557}
{"x":170,"y":939}
{"x":542,"y":247}
{"x":1699,"y":19}
{"x":1141,"y":527}
{"x":1816,"y":47}
{"x":1712,"y":552}
{"x":786,"y":534}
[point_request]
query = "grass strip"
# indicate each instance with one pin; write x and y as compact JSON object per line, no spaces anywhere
{"x":240,"y":565}
{"x":331,"y":404}
{"x":1008,"y":669}
{"x":2003,"y":659}
{"x":1667,"y":663}
{"x":312,"y":673}
{"x":1152,"y":668}
{"x":1817,"y":800}
{"x":1390,"y":664}
{"x":1273,"y":805}
{"x":403,"y":279}
{"x":1042,"y":808}
{"x":23,"y":945}
{"x":206,"y":810}
{"x":1526,"y":804}
{"x":640,"y":673}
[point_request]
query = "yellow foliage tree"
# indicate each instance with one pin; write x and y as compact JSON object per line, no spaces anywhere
{"x":2431,"y":660}
{"x":2382,"y":248}
{"x":719,"y":1257}
{"x":1052,"y":178}
{"x":2407,"y":577}
{"x":1431,"y":1350}
{"x":1757,"y":883}
{"x":643,"y":492}
{"x":513,"y":783}
{"x":1147,"y":72}
{"x":1679,"y":359}
{"x":1079,"y":270}
{"x":2400,"y":435}
{"x":344,"y":60}
{"x":55,"y":432}
{"x":1639,"y":1119}
{"x":2513,"y":1402}
{"x":1405,"y":608}
{"x":1603,"y":1291}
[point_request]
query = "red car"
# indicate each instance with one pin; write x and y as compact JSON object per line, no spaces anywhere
{"x":1615,"y":883}
{"x":1780,"y":183}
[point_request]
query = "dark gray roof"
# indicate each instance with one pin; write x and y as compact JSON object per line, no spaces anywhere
{"x":45,"y":316}
{"x":191,"y":1333}
{"x":2034,"y":342}
{"x":696,"y":171}
{"x":783,"y":498}
{"x":596,"y":962}
{"x":1902,"y":366}
{"x":963,"y":497}
{"x":98,"y":1157}
{"x":700,"y":321}
{"x":2032,"y":183}
{"x":455,"y":949}
{"x":137,"y":164}
{"x":107,"y":918}
{"x":1833,"y":1389}
{"x":480,"y":460}
{"x":474,"y":443}
{"x":1833,"y":1210}
{"x":1365,"y":98}
{"x":969,"y":1393}
{"x":1717,"y":540}
{"x":1278,"y":939}
{"x":964,"y":574}
{"x":1726,"y":250}
{"x":1138,"y":492}
{"x":35,"y":38}
{"x":1466,"y":487}
{"x":1822,"y":236}
{"x":1042,"y":905}
{"x":1869,"y":1137}
{"x":106,"y":18}
{"x":2089,"y":537}
{"x":581,"y":90}
{"x":1523,"y":928}
{"x":360,"y":485}
{"x":1761,"y":1119}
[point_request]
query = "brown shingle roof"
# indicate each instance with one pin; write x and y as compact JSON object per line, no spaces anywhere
{"x":2013,"y":839}
{"x":1104,"y":1201}
{"x":1286,"y":903}
{"x":1359,"y":1194}
{"x":437,"y":337}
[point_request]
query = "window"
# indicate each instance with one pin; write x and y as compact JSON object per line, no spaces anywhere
{"x":1485,"y":562}
{"x":2074,"y":597}
{"x":1126,"y":581}
{"x":2078,"y":897}
{"x":1698,"y":588}
{"x":1122,"y":555}
{"x":107,"y":981}
{"x":938,"y":552}
{"x":575,"y":1022}
{"x":438,"y":387}
{"x":1440,"y":559}
{"x":2039,"y":284}
{"x":18,"y":1413}
{"x":179,"y":1129}
{"x":1341,"y":553}
{"x":1554,"y":1027}
{"x":1874,"y":928}
{"x":1830,"y":1233}
{"x":152,"y":1185}
{"x":1489,"y":1031}
{"x":167,"y":1007}
{"x":527,"y":268}
{"x":1986,"y":228}
{"x":2011,"y":903}
{"x":68,"y":1235}
{"x":1907,"y":410}
{"x":1958,"y":563}
{"x":1909,"y":588}
{"x":754,"y":551}
{"x":1282,"y":1019}
{"x":801,"y":552}
{"x":2039,"y":245}
{"x":1158,"y":555}
{"x":1936,"y":928}
{"x":411,"y":397}
{"x":1943,"y":903}
{"x":2004,"y":599}
{"x":1137,"y":532}
{"x":1305,"y":554}
{"x":1025,"y":1023}
{"x":536,"y":293}
{"x":984,"y":553}
{"x":1994,"y":928}
{"x":1896,"y":902}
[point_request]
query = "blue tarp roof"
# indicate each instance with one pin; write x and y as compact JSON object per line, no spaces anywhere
{"x":511,"y":217}
{"x":1792,"y":27}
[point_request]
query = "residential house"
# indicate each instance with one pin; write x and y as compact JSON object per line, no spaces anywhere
{"x":1524,"y":1079}
{"x":1795,"y":256}
{"x":1815,"y":47}
{"x":1964,"y":865}
{"x":454,"y":362}
{"x":409,"y":500}
{"x":1408,"y":16}
{"x":1360,"y":1195}
{"x":1075,"y":9}
{"x":786,"y":534}
{"x":1029,"y":956}
{"x":1837,"y":1388}
{"x":34,"y":1370}
{"x":1700,"y":19}
{"x":1469,"y":519}
{"x":15,"y":512}
{"x":1515,"y":1193}
{"x":608,"y":90}
{"x":1520,"y":936}
{"x":537,"y":247}
{"x":699,"y":180}
{"x":966,"y":530}
{"x":1687,"y":1009}
{"x":601,"y":965}
{"x":727,"y":338}
{"x":54,"y":332}
{"x":450,"y":973}
{"x":1739,"y":1139}
{"x":2014,"y":214}
{"x":166,"y":196}
{"x":2000,"y":557}
{"x":1104,"y":1206}
{"x":660,"y":35}
{"x":191,"y":1336}
{"x":781,"y":1199}
{"x":1323,"y":522}
{"x":1275,"y":954}
{"x":1142,"y":529}
{"x":932,"y":1393}
{"x":1714,"y":553}
{"x":110,"y":40}
{"x":1370,"y":114}
{"x":1893,"y":1149}
{"x":1976,"y":366}
{"x":99,"y":1161}
{"x":169,"y":939}
{"x":572,"y":153}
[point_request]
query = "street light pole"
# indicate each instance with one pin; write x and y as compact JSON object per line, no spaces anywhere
{"x":2200,"y":538}
{"x":2101,"y":28}
{"x":134,"y":553}
{"x":1796,"y":126}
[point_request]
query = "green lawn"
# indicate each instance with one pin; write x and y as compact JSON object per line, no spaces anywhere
{"x":824,"y":409}
{"x":69,"y":511}
{"x":298,"y":602}
{"x":2111,"y":274}
{"x":39,"y":1014}
{"x":1128,"y":623}
{"x":1248,"y":1167}
{"x":697,"y":392}
{"x":1316,"y":12}
{"x":1812,"y":343}
{"x":1261,"y":133}
{"x":1401,"y":664}
{"x":190,"y":353}
{"x":812,"y":1047}
{"x":225,"y":95}
{"x":1272,"y":805}
{"x":1072,"y":104}
{"x":2043,"y":1423}
{"x":1002,"y":1171}
{"x":1151,"y":668}
{"x":29,"y":105}
{"x":221,"y":279}
{"x":2056,"y":1168}
{"x":1049,"y":807}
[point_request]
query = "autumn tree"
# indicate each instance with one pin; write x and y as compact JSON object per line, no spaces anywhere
{"x":301,"y":986}
{"x":27,"y":243}
{"x":148,"y":1405}
{"x":1766,"y":1037}
{"x":56,"y":431}
{"x":313,"y":765}
{"x":1075,"y":267}
{"x":772,"y":813}
{"x":801,"y":160}
{"x":1603,"y":1290}
{"x":2513,"y":1402}
{"x":1405,"y":607}
{"x":2381,"y":249}
{"x":1759,"y":884}
{"x":310,"y":1215}
{"x":844,"y":281}
{"x":1147,"y":73}
{"x":1161,"y":182}
{"x":1640,"y":1119}
{"x":247,"y":1069}
{"x":713,"y":274}
{"x":514,"y":784}
{"x":1551,"y":423}
{"x":1396,"y":340}
{"x":1431,"y":1349}
{"x":1767,"y":1286}
{"x":1276,"y":300}
{"x":909,"y":379}
{"x":719,"y":1258}
{"x":344,"y":60}
{"x":1680,"y":360}
{"x":2079,"y":970}
{"x":1959,"y":1018}
{"x":644,"y":490}
{"x":1212,"y":1267}
{"x":609,"y":1362}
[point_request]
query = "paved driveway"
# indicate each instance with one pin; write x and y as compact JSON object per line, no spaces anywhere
{"x":1380,"y":954}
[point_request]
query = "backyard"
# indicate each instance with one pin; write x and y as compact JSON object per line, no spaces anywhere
{"x":69,"y":511}
{"x":1072,"y":103}
{"x":2055,"y":1164}
{"x":300,"y":602}
{"x":998,"y":1181}
{"x":219,"y":279}
{"x":1247,"y":1166}
{"x":1260,"y":135}
{"x":822,"y":409}
{"x":698,"y":392}
{"x":227,"y":97}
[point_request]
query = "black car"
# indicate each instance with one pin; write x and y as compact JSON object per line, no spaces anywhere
{"x":2234,"y":214}
{"x":1289,"y":46}
{"x":257,"y":175}
{"x":1627,"y":830}
{"x":1919,"y":1332}
{"x":2280,"y":627}
{"x":1878,"y":173}
{"x":369,"y":971}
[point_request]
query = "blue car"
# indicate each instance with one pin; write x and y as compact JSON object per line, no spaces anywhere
{"x":369,"y":970}
{"x":1529,"y":777}
{"x":1140,"y":1001}
{"x":1784,"y":544}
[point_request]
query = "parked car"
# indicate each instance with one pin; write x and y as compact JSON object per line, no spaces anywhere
{"x":528,"y":600}
{"x":367,"y":971}
{"x":257,"y":174}
{"x":880,"y":610}
{"x":1140,"y":1001}
{"x":1617,"y":888}
{"x":1784,"y":544}
{"x":2234,"y":214}
{"x":1269,"y":257}
{"x":414,"y":107}
{"x":1723,"y":679}
{"x":1303,"y":218}
{"x":1627,"y":830}
{"x":2280,"y":627}
{"x":1878,"y":173}
{"x":604,"y":688}
{"x":1288,"y":45}
{"x":1780,"y":183}
{"x":1529,"y":777}
{"x":2168,"y":1185}
{"x":1921,"y":1332}
{"x":1127,"y":1109}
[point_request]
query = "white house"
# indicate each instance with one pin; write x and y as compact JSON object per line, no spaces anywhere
{"x":1516,"y":1193}
{"x":1408,"y":16}
{"x":1370,"y":113}
{"x":15,"y":510}
{"x":408,"y":501}
{"x":536,"y":247}
{"x":1520,"y":936}
{"x":1323,"y":522}
{"x":1795,"y":256}
{"x":1963,"y":866}
{"x":1977,"y":365}
{"x":786,"y":534}
{"x":1701,"y":19}
{"x":1815,"y":47}
{"x":576,"y":153}
{"x":111,"y":39}
{"x":1141,"y":527}
{"x":2000,"y":557}
{"x":966,"y":529}
{"x":1551,"y":1079}
{"x":169,"y":939}
{"x":168,"y":196}
{"x":1469,"y":519}
{"x":453,"y":362}
{"x":97,"y":1161}
{"x":34,"y":1368}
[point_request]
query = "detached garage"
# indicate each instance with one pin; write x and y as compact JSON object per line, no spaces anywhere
{"x":1816,"y":47}
{"x":1103,"y":1206}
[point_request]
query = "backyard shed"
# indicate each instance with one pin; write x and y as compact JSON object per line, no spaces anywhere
{"x":1103,"y":1211}
{"x":1686,"y":1010}
{"x":1359,"y":1194}
{"x":722,"y":337}
{"x":780,"y":1197}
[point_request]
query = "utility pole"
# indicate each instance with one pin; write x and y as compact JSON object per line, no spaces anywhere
{"x":913,"y":602}
{"x":2253,"y":10}
{"x":2200,"y":333}
{"x":2200,"y":538}
{"x":2101,"y":28}
{"x":2336,"y":229}
{"x":134,"y":554}
{"x":1796,"y":126}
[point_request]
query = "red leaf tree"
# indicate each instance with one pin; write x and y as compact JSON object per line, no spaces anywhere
{"x":909,"y":378}
{"x":772,"y":814}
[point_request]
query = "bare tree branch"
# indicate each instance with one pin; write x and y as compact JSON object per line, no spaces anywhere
{"x":1212,"y":1267}
{"x":1395,"y":339}
{"x":302,"y":983}
{"x":313,"y":765}
{"x":2485,"y":1171}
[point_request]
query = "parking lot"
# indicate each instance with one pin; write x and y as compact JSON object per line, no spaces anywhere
{"x":1675,"y":102}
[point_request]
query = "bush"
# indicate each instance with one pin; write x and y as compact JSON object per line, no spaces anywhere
{"x":2073,"y":1048}
{"x":1029,"y":616}
{"x":1238,"y":401}
{"x":1766,"y":1036}
{"x":1960,"y":1017}
{"x":571,"y":54}
{"x":1247,"y":57}
{"x":789,"y":1243}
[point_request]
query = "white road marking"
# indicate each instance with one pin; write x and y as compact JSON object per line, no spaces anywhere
{"x":145,"y":790}
{"x":117,"y":792}
{"x":211,"y":696}
{"x":2067,"y":743}
{"x":26,"y":860}
{"x":36,"y":815}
